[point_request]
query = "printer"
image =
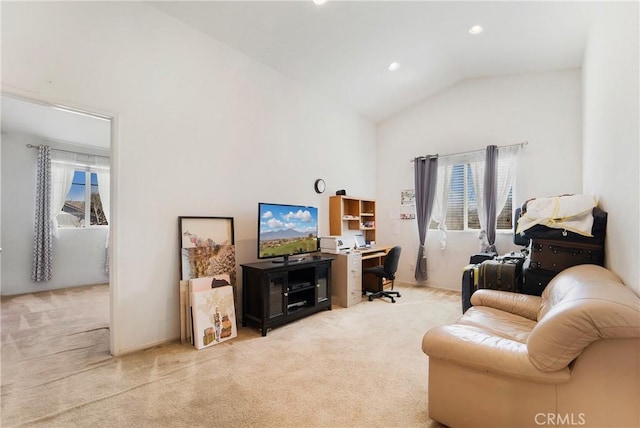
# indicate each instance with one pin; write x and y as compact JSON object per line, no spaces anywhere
{"x":335,"y":244}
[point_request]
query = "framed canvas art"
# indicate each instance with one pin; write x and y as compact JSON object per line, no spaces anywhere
{"x":205,"y":231}
{"x":187,"y":290}
{"x":208,"y":282}
{"x":197,"y":262}
{"x":206,"y":247}
{"x":214,"y":316}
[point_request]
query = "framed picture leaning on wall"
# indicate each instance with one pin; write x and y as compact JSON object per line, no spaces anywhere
{"x":206,"y":247}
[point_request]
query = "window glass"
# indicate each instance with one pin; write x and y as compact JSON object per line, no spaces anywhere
{"x":455,"y":209}
{"x":473,"y":221}
{"x":75,"y":210}
{"x":505,"y":219}
{"x":97,"y":214}
{"x":74,"y":206}
{"x":462,"y":208}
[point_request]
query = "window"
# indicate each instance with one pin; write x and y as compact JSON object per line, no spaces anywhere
{"x":462,"y":207}
{"x":76,"y":210}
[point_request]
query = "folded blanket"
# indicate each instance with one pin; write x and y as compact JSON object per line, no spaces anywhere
{"x":573,"y":213}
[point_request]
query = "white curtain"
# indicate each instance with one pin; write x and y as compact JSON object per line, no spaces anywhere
{"x":63,"y":166}
{"x":104,"y":189}
{"x":439,"y":214}
{"x":507,"y":163}
{"x":507,"y":160}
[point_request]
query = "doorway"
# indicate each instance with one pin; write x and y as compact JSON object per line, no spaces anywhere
{"x":80,"y":254}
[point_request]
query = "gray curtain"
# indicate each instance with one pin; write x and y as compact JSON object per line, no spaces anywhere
{"x":491,"y":196}
{"x":426,"y":177}
{"x":42,"y":260}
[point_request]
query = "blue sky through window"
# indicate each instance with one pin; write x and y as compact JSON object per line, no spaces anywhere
{"x":76,"y":193}
{"x":77,"y":188}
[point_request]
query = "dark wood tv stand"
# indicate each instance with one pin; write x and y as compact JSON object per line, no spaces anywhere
{"x":274,"y":294}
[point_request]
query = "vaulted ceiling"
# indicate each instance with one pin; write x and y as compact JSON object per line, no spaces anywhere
{"x":343,"y":48}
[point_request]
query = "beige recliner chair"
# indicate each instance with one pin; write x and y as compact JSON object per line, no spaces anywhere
{"x":568,"y":358}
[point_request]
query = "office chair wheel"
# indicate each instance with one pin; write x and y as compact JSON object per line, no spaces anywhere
{"x":399,"y":295}
{"x":393,"y":300}
{"x":371,"y":298}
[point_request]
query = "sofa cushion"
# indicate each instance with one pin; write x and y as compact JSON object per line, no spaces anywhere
{"x":581,"y":305}
{"x":515,"y":303}
{"x":498,"y":323}
{"x":564,"y":286}
{"x":471,"y":346}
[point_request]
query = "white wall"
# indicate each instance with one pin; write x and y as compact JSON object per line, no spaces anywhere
{"x":611,"y":136}
{"x":201,"y":130}
{"x":541,"y":108}
{"x":79,"y":254}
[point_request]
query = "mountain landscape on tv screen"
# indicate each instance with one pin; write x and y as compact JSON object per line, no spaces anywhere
{"x":285,"y":242}
{"x":283,"y":234}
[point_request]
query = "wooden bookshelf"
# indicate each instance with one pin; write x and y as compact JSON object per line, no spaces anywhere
{"x":347,"y":213}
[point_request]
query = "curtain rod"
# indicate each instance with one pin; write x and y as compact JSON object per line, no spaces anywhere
{"x":31,"y":146}
{"x":522,"y":144}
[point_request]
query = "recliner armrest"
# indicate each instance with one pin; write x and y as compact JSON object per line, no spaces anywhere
{"x":471,"y":346}
{"x":519,"y":304}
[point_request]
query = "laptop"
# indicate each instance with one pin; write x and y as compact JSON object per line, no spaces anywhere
{"x":360,"y":242}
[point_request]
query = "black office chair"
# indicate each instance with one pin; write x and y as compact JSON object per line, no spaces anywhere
{"x":388,"y":271}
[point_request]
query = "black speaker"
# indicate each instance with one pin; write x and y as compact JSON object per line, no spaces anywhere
{"x":341,"y":192}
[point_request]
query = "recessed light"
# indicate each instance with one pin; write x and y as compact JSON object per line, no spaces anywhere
{"x":393,"y":66}
{"x":319,"y":2}
{"x":476,"y":29}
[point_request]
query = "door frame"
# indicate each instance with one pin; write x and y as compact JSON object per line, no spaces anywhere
{"x":113,"y":173}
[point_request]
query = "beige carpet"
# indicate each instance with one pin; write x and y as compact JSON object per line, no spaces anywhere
{"x":356,"y":367}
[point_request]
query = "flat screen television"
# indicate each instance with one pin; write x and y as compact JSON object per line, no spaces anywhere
{"x":286,"y":230}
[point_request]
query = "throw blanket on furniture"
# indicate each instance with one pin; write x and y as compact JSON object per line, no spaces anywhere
{"x":573,"y":213}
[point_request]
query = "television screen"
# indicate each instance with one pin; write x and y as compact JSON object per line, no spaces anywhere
{"x":285,"y":230}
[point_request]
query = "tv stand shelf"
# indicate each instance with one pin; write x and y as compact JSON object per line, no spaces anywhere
{"x":274,"y":294}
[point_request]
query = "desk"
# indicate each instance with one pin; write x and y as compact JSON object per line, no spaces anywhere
{"x":378,"y":255}
{"x":372,"y":257}
{"x":374,"y":252}
{"x":346,"y":274}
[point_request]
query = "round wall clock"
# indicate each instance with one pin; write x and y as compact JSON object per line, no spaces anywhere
{"x":320,"y":185}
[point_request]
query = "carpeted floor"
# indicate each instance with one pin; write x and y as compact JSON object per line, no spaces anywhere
{"x":356,"y":367}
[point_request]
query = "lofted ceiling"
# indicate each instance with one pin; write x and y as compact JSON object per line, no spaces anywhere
{"x":343,"y":48}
